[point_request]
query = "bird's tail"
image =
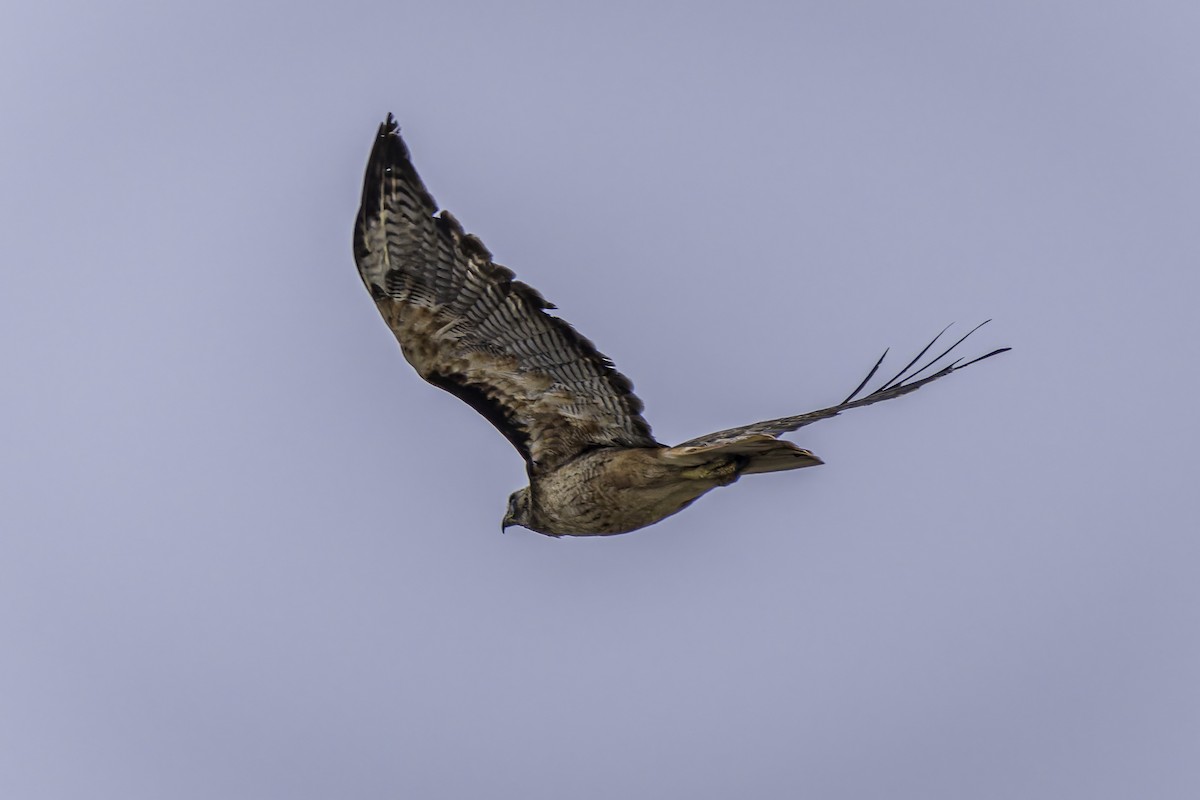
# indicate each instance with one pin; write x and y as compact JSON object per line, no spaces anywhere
{"x":757,"y":452}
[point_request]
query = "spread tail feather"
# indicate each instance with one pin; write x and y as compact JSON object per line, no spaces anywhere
{"x":762,"y":453}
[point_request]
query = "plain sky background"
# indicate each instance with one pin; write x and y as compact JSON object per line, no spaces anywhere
{"x":247,"y":553}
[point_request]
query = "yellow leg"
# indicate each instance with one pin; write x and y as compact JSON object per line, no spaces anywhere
{"x":722,"y":473}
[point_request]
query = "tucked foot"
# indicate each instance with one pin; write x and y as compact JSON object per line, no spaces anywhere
{"x":721,"y":473}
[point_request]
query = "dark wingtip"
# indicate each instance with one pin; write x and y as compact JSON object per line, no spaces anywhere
{"x":986,"y":355}
{"x":388,"y":129}
{"x":389,"y":150}
{"x":901,"y":376}
{"x":908,"y":379}
{"x":867,"y":379}
{"x":389,"y":160}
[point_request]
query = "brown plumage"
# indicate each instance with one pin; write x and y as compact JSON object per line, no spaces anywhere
{"x":468,"y":327}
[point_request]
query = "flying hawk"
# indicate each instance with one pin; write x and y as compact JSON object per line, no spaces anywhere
{"x":468,"y":327}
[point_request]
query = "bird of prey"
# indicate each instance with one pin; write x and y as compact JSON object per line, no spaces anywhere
{"x":467,"y":326}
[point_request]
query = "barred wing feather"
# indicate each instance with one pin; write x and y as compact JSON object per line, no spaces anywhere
{"x":467,"y":326}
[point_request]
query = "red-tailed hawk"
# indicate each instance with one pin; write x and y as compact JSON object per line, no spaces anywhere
{"x":468,"y":327}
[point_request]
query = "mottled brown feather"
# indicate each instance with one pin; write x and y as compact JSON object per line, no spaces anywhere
{"x":469,"y":327}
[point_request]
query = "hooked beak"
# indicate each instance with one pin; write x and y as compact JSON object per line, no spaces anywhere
{"x":507,"y":522}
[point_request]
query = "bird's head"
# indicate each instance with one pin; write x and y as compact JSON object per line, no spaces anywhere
{"x":518,"y":510}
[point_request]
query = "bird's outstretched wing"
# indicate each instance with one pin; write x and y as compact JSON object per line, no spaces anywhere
{"x":905,"y":381}
{"x":468,"y":327}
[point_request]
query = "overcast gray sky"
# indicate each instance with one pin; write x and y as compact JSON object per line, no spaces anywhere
{"x":247,"y":553}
